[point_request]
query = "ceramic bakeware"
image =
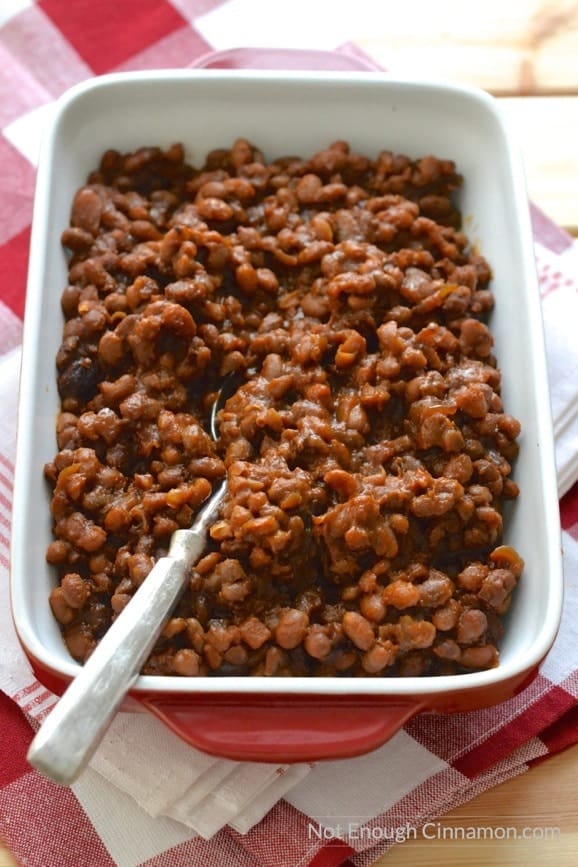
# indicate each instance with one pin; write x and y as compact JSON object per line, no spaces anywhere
{"x":293,"y":719}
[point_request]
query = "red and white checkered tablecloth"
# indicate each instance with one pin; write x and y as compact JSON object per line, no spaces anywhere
{"x":434,"y":763}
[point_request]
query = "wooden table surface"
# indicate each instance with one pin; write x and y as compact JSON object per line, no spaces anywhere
{"x":524,"y":52}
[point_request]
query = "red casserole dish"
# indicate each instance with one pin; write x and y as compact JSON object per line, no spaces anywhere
{"x":297,"y":719}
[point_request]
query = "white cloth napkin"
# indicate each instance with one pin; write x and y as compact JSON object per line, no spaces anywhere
{"x":558,"y":274}
{"x":168,"y":778}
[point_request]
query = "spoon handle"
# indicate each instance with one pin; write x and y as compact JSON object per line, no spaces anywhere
{"x":73,"y":730}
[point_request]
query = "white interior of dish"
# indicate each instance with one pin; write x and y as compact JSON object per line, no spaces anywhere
{"x":298,"y":113}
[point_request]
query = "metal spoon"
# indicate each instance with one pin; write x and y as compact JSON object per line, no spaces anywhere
{"x":73,"y":730}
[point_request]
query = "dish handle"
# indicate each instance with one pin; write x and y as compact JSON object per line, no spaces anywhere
{"x":285,"y":730}
{"x":346,"y":58}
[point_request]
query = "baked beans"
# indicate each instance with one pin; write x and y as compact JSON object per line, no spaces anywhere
{"x":367,"y":448}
